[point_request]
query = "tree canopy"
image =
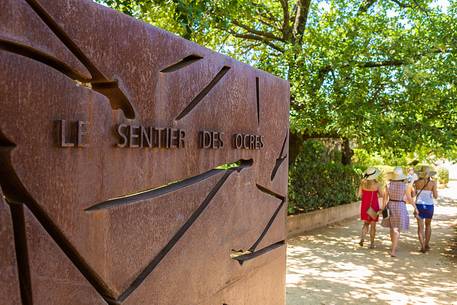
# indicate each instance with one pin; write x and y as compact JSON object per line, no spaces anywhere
{"x":381,"y":74}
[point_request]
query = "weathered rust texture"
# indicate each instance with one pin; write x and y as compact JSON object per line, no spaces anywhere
{"x":54,"y":279}
{"x":9,"y":279}
{"x":111,"y":225}
{"x":21,"y":30}
{"x":226,"y":225}
{"x":260,"y":286}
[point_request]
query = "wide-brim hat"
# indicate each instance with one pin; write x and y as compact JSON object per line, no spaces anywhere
{"x":397,"y":174}
{"x":371,"y":173}
{"x":425,"y":171}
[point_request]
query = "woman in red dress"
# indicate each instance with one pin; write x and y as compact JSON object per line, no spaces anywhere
{"x":370,"y":190}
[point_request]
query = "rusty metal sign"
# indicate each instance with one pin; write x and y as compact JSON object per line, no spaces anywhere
{"x":135,"y":167}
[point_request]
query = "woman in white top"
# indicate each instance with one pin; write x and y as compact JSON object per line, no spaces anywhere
{"x":426,"y":190}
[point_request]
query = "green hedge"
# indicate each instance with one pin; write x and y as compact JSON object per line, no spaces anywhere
{"x":443,"y":176}
{"x":317,"y":181}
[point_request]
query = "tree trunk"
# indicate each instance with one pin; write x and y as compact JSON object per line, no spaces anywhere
{"x":347,"y":152}
{"x":295,"y":146}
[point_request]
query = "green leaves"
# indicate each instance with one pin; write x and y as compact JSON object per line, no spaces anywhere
{"x":382,"y":73}
{"x":317,"y":179}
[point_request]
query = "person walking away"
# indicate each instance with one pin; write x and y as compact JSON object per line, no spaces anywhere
{"x":397,"y":194}
{"x":369,"y":190}
{"x":426,"y":190}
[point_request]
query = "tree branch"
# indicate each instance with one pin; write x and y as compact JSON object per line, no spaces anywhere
{"x":398,"y":62}
{"x":258,"y":38}
{"x":286,"y":32}
{"x":383,"y":63}
{"x":365,"y":5}
{"x":300,"y":19}
{"x":267,"y":23}
{"x":322,"y":135}
{"x":249,"y":48}
{"x":416,"y":4}
{"x":401,"y":4}
{"x":257,"y":32}
{"x":264,"y":12}
{"x":296,"y":141}
{"x":321,"y":75}
{"x":323,"y":71}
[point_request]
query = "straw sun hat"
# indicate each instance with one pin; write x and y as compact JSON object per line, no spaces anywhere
{"x":371,"y":173}
{"x":397,"y":174}
{"x":425,"y":172}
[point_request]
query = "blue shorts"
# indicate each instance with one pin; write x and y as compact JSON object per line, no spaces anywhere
{"x":425,"y":211}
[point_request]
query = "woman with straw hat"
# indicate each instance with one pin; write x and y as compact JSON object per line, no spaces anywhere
{"x":426,"y":190}
{"x":398,"y":193}
{"x":369,"y":190}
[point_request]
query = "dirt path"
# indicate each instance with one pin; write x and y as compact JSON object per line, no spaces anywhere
{"x":327,"y":266}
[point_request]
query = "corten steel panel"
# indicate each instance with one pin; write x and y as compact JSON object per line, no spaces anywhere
{"x":9,"y":288}
{"x":103,"y":224}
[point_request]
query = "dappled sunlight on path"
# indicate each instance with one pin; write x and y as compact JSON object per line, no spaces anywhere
{"x":327,"y":266}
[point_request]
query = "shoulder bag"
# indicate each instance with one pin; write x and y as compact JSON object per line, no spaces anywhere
{"x":370,"y":211}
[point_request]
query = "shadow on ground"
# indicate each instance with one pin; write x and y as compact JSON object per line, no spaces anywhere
{"x":327,"y":266}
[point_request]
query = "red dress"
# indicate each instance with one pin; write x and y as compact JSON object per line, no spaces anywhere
{"x":367,"y":198}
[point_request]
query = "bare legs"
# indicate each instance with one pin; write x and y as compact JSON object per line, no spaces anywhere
{"x":372,"y":234}
{"x":394,"y":237}
{"x":421,"y":233}
{"x":428,"y":233}
{"x":364,"y":232}
{"x":424,"y":231}
{"x":368,"y":226}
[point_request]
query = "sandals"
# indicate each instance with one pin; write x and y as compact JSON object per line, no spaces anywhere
{"x":361,"y":244}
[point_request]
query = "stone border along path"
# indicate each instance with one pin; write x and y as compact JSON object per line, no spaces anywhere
{"x":327,"y":266}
